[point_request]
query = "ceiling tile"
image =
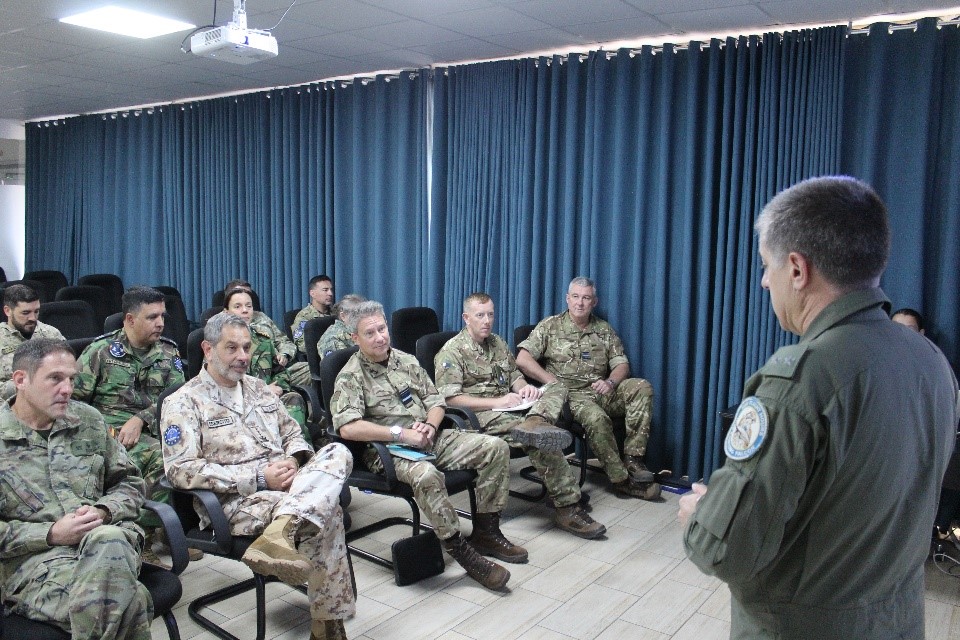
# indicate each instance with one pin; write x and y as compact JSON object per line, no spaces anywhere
{"x":460,"y":50}
{"x":429,"y":8}
{"x":408,"y":33}
{"x":487,"y":22}
{"x":551,"y":38}
{"x":746,"y":17}
{"x":560,"y":13}
{"x":635,"y":28}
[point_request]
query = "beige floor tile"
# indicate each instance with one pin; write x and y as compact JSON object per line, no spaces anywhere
{"x":589,"y":612}
{"x":370,"y":614}
{"x":566,"y":579}
{"x":542,"y":633}
{"x":688,"y":573}
{"x":401,"y":598}
{"x":667,"y":541}
{"x":508,"y":617}
{"x":607,"y":513}
{"x":942,"y":620}
{"x":652,"y":516}
{"x":667,"y":606}
{"x":638,"y":572}
{"x":701,"y":627}
{"x":942,"y":586}
{"x":453,"y":635}
{"x":299,"y":632}
{"x":281,"y":617}
{"x":368,"y":574}
{"x":618,"y":543}
{"x":718,"y":605}
{"x":244,"y":602}
{"x":621,"y":629}
{"x":426,"y":620}
{"x":552,"y":546}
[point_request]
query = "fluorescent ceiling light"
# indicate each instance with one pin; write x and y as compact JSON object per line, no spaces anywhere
{"x":127,"y":22}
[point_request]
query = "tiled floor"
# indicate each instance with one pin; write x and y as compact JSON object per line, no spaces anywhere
{"x":633,"y":584}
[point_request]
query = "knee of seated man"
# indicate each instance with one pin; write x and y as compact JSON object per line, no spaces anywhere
{"x":635,"y":387}
{"x":111,"y":536}
{"x":426,"y":476}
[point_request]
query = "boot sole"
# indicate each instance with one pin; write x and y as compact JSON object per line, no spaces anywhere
{"x":265,"y":565}
{"x":586,"y":535}
{"x":552,"y":440}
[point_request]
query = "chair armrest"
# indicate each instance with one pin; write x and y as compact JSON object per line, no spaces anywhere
{"x":173,"y":529}
{"x":309,"y":395}
{"x":465,"y":419}
{"x":218,"y":519}
{"x":389,"y":471}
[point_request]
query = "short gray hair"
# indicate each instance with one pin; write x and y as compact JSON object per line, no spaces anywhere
{"x":838,"y":223}
{"x":213,"y":330}
{"x":348,"y":303}
{"x":31,"y":353}
{"x":582,"y":281}
{"x":363,"y":310}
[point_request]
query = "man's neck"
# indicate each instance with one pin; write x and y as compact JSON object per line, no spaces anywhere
{"x":133,"y":344}
{"x":30,"y":418}
{"x":580,"y":324}
{"x":14,"y":328}
{"x":322,"y":308}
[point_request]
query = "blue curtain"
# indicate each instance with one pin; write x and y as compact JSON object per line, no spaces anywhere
{"x":273,"y":186}
{"x":643,"y":170}
{"x":901,"y":132}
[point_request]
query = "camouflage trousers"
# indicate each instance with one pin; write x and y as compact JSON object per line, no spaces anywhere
{"x":90,"y":590}
{"x":456,"y":450}
{"x":633,"y":399}
{"x":314,"y":501}
{"x":147,"y":457}
{"x":557,"y":474}
{"x":293,"y":403}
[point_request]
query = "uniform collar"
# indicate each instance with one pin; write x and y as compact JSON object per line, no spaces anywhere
{"x":250,"y":394}
{"x":11,"y":428}
{"x":478,"y":347}
{"x":844,"y":307}
{"x":568,"y":323}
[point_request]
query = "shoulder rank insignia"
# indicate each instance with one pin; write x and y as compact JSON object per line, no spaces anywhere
{"x":172,"y":435}
{"x":748,"y":431}
{"x":117,"y":350}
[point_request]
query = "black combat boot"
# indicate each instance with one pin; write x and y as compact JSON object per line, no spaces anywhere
{"x":488,"y":540}
{"x":489,"y":574}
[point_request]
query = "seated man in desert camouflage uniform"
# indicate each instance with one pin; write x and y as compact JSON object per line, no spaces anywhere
{"x":226,"y":432}
{"x":21,"y":304}
{"x":69,"y":548}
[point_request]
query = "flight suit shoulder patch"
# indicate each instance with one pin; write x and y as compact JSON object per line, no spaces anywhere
{"x":786,"y":361}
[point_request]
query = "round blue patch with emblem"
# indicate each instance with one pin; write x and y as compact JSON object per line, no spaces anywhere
{"x":748,"y":431}
{"x":117,"y":350}
{"x":178,"y":363}
{"x":172,"y":435}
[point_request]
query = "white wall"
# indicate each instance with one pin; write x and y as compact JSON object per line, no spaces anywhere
{"x":12,"y":212}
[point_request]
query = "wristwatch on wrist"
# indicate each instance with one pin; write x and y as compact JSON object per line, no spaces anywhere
{"x":396,"y":433}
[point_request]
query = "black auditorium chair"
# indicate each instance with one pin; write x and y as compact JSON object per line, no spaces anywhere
{"x":74,"y":318}
{"x":164,"y":587}
{"x":36,"y":285}
{"x":3,"y":275}
{"x":288,"y":318}
{"x":312,"y":331}
{"x":79,"y":344}
{"x":566,"y":417}
{"x":194,"y":353}
{"x":96,"y":297}
{"x":427,"y":349}
{"x":113,"y":322}
{"x":176,"y":326}
{"x":409,"y":324}
{"x":52,"y":282}
{"x":386,"y":483}
{"x":208,"y":313}
{"x":167,"y":290}
{"x":111,"y":284}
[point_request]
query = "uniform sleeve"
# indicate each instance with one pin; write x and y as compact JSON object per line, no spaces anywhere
{"x":348,"y":404}
{"x":449,"y":373}
{"x":172,"y":374}
{"x":296,"y":330}
{"x":510,"y":366}
{"x":428,"y":393}
{"x":124,"y":489}
{"x":739,"y":524}
{"x":183,"y":460}
{"x":615,"y":353}
{"x":536,"y":342}
{"x":282,"y":343}
{"x":88,"y":373}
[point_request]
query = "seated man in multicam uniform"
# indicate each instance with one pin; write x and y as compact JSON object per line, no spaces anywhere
{"x":476,"y":370}
{"x":121,"y":375}
{"x":384,"y":395}
{"x":227,"y":432}
{"x":69,"y":548}
{"x":338,"y":336}
{"x":320,"y":289}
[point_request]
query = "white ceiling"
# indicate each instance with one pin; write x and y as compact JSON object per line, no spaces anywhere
{"x":48,"y":68}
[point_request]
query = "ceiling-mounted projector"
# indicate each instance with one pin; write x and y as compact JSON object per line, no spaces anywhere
{"x":234,"y":42}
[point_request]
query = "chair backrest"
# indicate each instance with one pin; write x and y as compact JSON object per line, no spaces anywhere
{"x":288,"y":318}
{"x":113,"y":322}
{"x":36,"y":285}
{"x":3,"y":275}
{"x":312,"y":332}
{"x":74,"y":318}
{"x":429,"y":346}
{"x":52,"y":282}
{"x":96,"y":297}
{"x":167,"y":290}
{"x":110,"y":283}
{"x":194,"y":353}
{"x":176,"y":326}
{"x":521,"y":333}
{"x":329,"y":368}
{"x":409,"y":324}
{"x":79,"y":344}
{"x":209,"y":313}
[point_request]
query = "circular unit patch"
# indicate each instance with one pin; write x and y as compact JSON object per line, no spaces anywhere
{"x":748,"y":431}
{"x":172,"y":435}
{"x":117,"y":350}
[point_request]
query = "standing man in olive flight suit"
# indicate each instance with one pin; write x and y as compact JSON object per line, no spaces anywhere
{"x":820,"y":519}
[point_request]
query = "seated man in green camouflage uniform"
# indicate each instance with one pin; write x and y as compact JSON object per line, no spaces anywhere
{"x":337,"y":336}
{"x":69,"y":549}
{"x":21,"y":304}
{"x":320,"y":289}
{"x":121,"y":375}
{"x":476,"y":370}
{"x":226,"y":432}
{"x":383,"y":394}
{"x":586,"y":355}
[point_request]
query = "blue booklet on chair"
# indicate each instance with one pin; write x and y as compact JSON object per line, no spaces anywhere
{"x":409,"y":453}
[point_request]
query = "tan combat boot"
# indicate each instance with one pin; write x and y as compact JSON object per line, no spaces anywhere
{"x":327,"y":630}
{"x":630,"y":489}
{"x":538,"y":433}
{"x":637,"y":469}
{"x":149,"y":556}
{"x":488,"y":540}
{"x":574,"y":519}
{"x":489,"y":574}
{"x":275,"y":554}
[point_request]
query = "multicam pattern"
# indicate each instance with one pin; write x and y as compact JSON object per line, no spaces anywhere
{"x":10,"y":339}
{"x":90,"y":590}
{"x":309,"y":312}
{"x":210,"y":443}
{"x":370,"y":391}
{"x":336,"y":337}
